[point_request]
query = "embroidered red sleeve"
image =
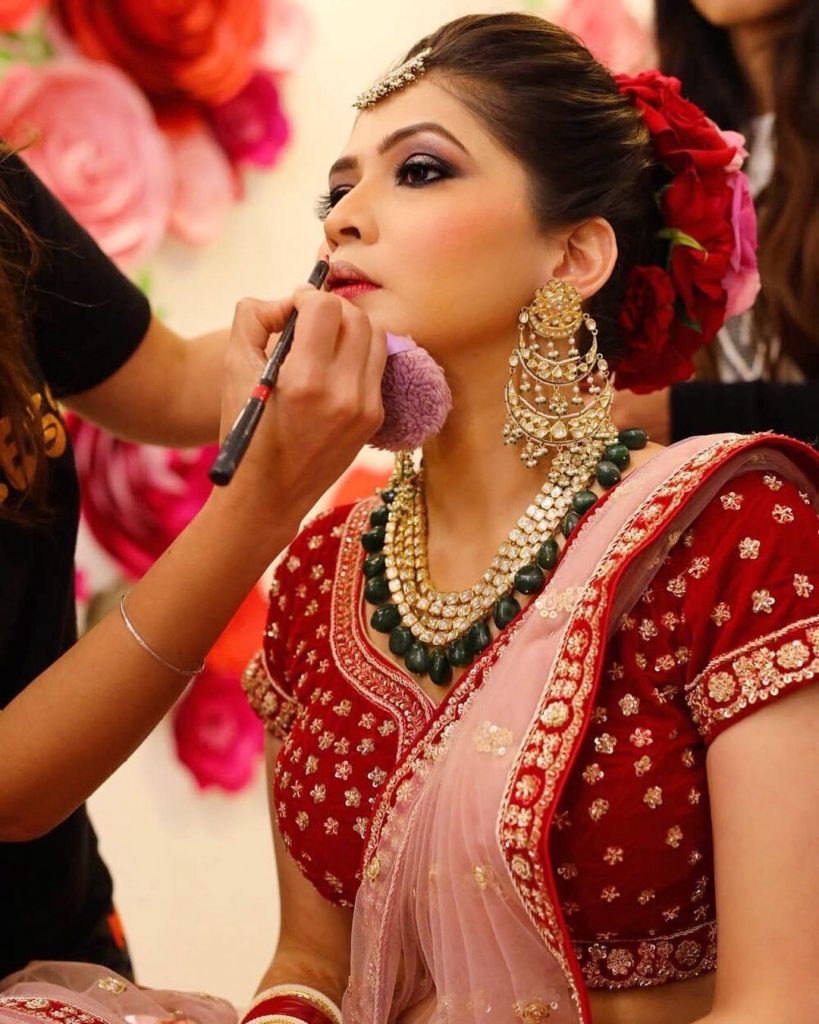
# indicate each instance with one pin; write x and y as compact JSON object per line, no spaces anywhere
{"x":271,"y":691}
{"x":751,"y":600}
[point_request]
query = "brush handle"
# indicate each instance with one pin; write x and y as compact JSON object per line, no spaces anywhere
{"x":238,"y":438}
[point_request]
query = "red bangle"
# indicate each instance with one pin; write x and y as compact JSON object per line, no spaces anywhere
{"x":290,"y":1006}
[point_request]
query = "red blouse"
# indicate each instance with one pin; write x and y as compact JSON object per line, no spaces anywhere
{"x":729,"y":622}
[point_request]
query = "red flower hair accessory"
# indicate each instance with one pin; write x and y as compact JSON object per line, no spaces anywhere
{"x":707,"y":269}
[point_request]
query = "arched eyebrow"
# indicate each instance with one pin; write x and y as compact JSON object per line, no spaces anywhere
{"x":350,"y":163}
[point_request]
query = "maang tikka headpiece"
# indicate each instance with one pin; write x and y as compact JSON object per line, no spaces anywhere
{"x":408,"y":72}
{"x":544,"y":401}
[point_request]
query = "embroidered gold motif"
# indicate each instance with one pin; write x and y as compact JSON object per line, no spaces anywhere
{"x":763,"y":601}
{"x":593,"y":773}
{"x":782,"y":514}
{"x":721,"y":614}
{"x":699,"y":567}
{"x":773,"y":483}
{"x":749,"y":548}
{"x":641,"y":738}
{"x":642,"y":766}
{"x":555,"y":714}
{"x":598,"y":808}
{"x":677,"y":586}
{"x":493,"y":739}
{"x":653,"y":797}
{"x":802,"y":585}
{"x":648,"y":629}
{"x":534,"y":1011}
{"x":674,"y":837}
{"x":613,"y":855}
{"x":610,"y":893}
{"x":754,"y":673}
{"x":732,"y":501}
{"x":605,"y":744}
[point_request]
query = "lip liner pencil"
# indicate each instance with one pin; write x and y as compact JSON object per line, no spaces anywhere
{"x":238,"y":438}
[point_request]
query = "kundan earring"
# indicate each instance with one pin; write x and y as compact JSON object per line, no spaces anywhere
{"x":545,"y":404}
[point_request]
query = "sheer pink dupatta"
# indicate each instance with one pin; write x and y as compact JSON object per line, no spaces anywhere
{"x":456,"y":921}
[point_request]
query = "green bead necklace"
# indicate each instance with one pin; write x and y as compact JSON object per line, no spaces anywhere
{"x":435,"y":632}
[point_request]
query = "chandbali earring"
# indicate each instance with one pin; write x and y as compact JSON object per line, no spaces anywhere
{"x":546,"y":405}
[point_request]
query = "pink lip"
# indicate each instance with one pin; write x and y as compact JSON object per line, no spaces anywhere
{"x":353,"y":289}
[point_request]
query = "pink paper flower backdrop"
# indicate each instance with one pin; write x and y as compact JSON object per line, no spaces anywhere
{"x":142,"y":116}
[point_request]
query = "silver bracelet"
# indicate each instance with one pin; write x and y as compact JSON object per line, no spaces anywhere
{"x":146,"y":647}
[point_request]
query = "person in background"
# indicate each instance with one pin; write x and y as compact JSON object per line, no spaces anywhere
{"x":753,"y":66}
{"x":74,"y":330}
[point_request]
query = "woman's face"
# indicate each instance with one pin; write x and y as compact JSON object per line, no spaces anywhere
{"x":437,"y":215}
{"x":733,"y":13}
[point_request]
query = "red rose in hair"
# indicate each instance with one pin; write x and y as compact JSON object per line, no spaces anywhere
{"x":204,"y":50}
{"x":646,"y":317}
{"x":680,"y":132}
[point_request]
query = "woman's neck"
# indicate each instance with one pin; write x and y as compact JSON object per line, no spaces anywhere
{"x":755,"y":44}
{"x":475,"y":486}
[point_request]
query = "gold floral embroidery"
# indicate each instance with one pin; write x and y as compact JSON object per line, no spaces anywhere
{"x":802,"y":585}
{"x":699,"y":567}
{"x":642,"y":765}
{"x":677,"y":586}
{"x":629,"y":964}
{"x":721,"y":614}
{"x":756,"y":672}
{"x":773,"y":483}
{"x":782,"y":514}
{"x":653,"y":797}
{"x":763,"y":601}
{"x":749,"y":548}
{"x":613,"y":855}
{"x":674,"y":837}
{"x":610,"y":893}
{"x":605,"y":744}
{"x":593,"y":773}
{"x":648,"y":629}
{"x":598,"y":808}
{"x":732,"y":501}
{"x":629,"y":705}
{"x":641,"y":738}
{"x":268,"y":699}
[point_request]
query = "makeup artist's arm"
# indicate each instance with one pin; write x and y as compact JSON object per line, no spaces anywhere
{"x":168,"y":392}
{"x":80,"y":719}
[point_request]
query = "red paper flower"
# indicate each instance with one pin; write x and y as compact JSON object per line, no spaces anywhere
{"x":202,"y":50}
{"x":14,"y":13}
{"x":218,"y":736}
{"x":252,"y":127}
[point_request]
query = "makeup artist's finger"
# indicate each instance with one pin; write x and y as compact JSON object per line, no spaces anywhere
{"x":254,"y":321}
{"x":318,"y":323}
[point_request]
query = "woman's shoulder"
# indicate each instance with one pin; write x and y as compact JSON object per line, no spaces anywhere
{"x":320,"y":535}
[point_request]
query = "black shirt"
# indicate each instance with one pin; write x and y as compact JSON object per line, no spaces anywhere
{"x":84,"y":320}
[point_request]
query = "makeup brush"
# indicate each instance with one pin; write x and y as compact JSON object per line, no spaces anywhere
{"x":238,"y":438}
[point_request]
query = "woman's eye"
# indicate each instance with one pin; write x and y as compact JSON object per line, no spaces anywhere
{"x":326,"y":202}
{"x":422,"y":170}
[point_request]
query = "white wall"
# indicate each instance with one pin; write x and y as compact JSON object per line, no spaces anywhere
{"x":194,"y":873}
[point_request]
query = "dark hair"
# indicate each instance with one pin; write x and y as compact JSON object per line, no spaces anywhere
{"x":543,"y":96}
{"x":20,"y":420}
{"x":701,"y":56}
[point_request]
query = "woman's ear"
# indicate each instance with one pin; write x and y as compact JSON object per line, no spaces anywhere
{"x":589,"y":255}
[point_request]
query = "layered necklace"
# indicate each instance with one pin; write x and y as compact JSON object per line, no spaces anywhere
{"x":436,"y":631}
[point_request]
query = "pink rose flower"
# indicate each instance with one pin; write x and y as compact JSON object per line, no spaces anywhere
{"x":14,"y":13}
{"x":137,"y":498}
{"x":252,"y":127}
{"x":742,"y":282}
{"x":94,"y":141}
{"x":610,"y":31}
{"x":205,"y":186}
{"x":218,"y":736}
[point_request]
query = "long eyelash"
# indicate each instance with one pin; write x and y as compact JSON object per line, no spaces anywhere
{"x":324,"y":204}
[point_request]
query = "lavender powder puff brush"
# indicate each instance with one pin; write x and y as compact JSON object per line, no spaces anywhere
{"x":416,"y":397}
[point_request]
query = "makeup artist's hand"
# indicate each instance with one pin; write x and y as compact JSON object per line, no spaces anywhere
{"x":326,"y":404}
